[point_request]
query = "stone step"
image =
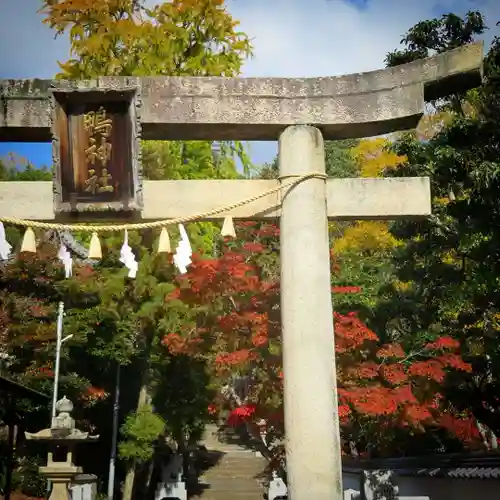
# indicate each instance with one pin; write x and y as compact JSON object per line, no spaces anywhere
{"x":234,"y":472}
{"x":250,"y":464}
{"x":220,"y":493}
{"x":232,"y":485}
{"x":228,"y":476}
{"x":228,"y":495}
{"x":234,"y":476}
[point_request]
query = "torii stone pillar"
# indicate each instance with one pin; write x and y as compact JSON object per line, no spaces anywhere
{"x":314,"y":469}
{"x":295,"y":111}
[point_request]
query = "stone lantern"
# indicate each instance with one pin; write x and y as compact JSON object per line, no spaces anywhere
{"x":62,"y":438}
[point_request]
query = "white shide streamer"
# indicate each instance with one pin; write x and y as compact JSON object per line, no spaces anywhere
{"x":5,"y":246}
{"x":127,"y":257}
{"x":183,"y":252}
{"x":65,"y":257}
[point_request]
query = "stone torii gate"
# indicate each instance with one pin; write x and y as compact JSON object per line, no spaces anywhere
{"x":298,"y":112}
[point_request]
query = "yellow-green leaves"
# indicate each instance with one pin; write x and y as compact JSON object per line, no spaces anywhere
{"x":123,"y":38}
{"x":374,"y":157}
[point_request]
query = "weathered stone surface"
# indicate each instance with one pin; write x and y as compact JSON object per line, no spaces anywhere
{"x":234,"y":476}
{"x":362,"y":198}
{"x":356,"y":105}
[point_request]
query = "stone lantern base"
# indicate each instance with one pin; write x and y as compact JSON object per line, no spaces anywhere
{"x":60,"y":477}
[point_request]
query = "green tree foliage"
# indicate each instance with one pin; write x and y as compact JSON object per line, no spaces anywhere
{"x":18,"y":169}
{"x":175,"y":38}
{"x":338,"y":161}
{"x":141,"y":430}
{"x":436,"y":36}
{"x":361,"y":250}
{"x":178,"y":160}
{"x":128,"y":38}
{"x":448,"y":270}
{"x":31,"y":288}
{"x":133,"y":38}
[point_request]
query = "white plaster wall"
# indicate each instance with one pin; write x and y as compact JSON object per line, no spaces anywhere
{"x":449,"y":489}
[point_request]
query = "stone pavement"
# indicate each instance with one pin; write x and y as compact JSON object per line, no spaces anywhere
{"x":234,"y":475}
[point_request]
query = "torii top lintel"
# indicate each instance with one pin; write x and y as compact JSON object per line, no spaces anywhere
{"x":217,"y":108}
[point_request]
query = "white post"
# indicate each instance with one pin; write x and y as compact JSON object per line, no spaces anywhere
{"x":59,"y":342}
{"x":313,"y":458}
{"x":60,"y":314}
{"x":114,"y":435}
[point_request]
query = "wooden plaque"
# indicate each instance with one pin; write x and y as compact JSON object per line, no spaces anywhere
{"x":96,"y":150}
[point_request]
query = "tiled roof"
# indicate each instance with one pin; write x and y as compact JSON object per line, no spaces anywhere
{"x":458,"y":466}
{"x":16,"y":389}
{"x":475,"y":472}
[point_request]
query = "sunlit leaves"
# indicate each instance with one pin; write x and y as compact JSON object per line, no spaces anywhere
{"x":237,"y":327}
{"x":176,"y":38}
{"x":124,"y":38}
{"x":140,"y":431}
{"x":452,"y":259}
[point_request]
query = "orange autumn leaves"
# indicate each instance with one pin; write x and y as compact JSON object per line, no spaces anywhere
{"x":393,"y":384}
{"x":384,"y":381}
{"x":237,"y":328}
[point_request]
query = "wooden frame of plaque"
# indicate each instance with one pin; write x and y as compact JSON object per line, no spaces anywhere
{"x":96,"y":149}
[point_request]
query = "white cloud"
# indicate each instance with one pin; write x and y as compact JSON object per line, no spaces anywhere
{"x":301,"y":38}
{"x":291,"y":37}
{"x":331,"y":37}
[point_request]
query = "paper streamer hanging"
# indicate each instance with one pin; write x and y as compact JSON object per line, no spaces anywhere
{"x":127,"y":257}
{"x":29,"y":241}
{"x":95,"y":251}
{"x":164,"y":241}
{"x":228,"y":228}
{"x":65,"y":257}
{"x":183,"y":252}
{"x":5,"y":246}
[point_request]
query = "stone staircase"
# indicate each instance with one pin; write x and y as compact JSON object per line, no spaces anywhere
{"x":233,"y":475}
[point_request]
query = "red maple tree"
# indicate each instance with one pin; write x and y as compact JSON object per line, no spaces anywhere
{"x":234,"y":303}
{"x":31,"y":286}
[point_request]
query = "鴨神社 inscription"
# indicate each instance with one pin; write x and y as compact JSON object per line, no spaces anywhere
{"x":98,"y":153}
{"x":95,"y":135}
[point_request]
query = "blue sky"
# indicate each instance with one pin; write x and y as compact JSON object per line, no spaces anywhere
{"x":294,"y":38}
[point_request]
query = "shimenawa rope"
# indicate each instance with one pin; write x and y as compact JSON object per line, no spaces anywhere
{"x":159,"y":223}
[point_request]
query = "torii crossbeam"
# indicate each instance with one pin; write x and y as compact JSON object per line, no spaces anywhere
{"x":254,"y":109}
{"x":298,"y":112}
